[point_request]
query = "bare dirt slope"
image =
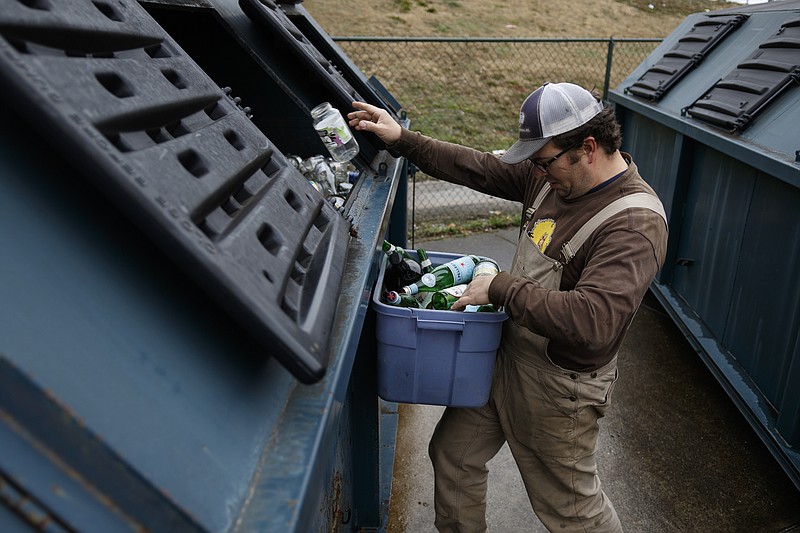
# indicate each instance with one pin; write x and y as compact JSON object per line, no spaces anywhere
{"x":505,"y":18}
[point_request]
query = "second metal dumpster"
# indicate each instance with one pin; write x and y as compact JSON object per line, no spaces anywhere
{"x":713,"y":118}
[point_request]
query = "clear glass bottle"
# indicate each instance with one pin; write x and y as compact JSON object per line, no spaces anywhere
{"x":323,"y":173}
{"x":340,"y":172}
{"x":333,"y":131}
{"x":486,"y":267}
{"x":485,"y":308}
{"x":424,"y":299}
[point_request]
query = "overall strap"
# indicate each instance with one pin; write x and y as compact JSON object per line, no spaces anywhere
{"x":639,"y":199}
{"x":540,"y":197}
{"x":536,"y":203}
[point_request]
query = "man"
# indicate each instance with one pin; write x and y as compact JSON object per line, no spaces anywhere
{"x":592,"y":239}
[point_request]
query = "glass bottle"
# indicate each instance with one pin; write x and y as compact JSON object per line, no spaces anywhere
{"x":340,"y":173}
{"x":400,"y":272}
{"x":388,"y":248}
{"x":400,"y":300}
{"x":333,"y":131}
{"x":455,"y":272}
{"x":424,"y":299}
{"x":486,"y":267}
{"x":445,"y":298}
{"x":485,"y":308}
{"x":424,"y":261}
{"x":323,"y":174}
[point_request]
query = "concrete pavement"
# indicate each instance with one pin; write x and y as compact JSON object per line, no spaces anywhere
{"x":675,"y":453}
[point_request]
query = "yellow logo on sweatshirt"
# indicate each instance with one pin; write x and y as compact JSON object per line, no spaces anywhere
{"x":542,"y":233}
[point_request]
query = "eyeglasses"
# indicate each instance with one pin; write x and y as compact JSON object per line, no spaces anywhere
{"x":542,"y":167}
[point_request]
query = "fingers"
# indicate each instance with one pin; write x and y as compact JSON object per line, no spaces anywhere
{"x":364,"y":124}
{"x":363,"y":119}
{"x":357,"y":116}
{"x":476,"y":293}
{"x":364,"y":111}
{"x":365,"y":106}
{"x":370,"y":118}
{"x":459,"y":304}
{"x":463,"y":301}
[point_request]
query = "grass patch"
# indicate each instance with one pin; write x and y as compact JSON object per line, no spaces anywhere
{"x":470,"y":93}
{"x":403,"y":6}
{"x":441,"y":230}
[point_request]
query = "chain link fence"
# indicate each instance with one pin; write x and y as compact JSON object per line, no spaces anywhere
{"x":468,"y":91}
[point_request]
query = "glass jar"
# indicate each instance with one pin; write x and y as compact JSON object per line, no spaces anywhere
{"x":333,"y":131}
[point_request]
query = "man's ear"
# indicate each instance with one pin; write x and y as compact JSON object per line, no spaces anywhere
{"x":590,"y":147}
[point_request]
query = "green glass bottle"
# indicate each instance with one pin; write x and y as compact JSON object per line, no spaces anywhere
{"x":449,"y":274}
{"x":400,"y":272}
{"x":445,"y":298}
{"x":388,"y":248}
{"x":424,"y":261}
{"x":400,"y":300}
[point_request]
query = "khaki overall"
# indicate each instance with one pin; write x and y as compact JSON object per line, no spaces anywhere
{"x":547,"y":414}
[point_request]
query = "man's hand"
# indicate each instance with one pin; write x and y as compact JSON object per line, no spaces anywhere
{"x":477,"y":293}
{"x":374,"y":119}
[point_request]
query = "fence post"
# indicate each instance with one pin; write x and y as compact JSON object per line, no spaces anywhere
{"x":609,"y":62}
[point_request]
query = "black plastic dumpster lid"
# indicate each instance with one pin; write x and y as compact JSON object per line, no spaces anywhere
{"x":286,"y":35}
{"x":109,"y":88}
{"x":690,"y":50}
{"x":370,"y":88}
{"x":735,"y":100}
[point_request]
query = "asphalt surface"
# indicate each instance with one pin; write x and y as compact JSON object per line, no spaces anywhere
{"x":675,"y":454}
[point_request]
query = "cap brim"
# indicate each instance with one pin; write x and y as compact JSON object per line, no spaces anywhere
{"x":522,"y":150}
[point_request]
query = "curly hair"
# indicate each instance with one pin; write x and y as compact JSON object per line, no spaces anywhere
{"x":604,"y":127}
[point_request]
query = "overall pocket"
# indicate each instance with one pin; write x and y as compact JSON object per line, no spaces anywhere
{"x":555,"y":413}
{"x":543,"y":409}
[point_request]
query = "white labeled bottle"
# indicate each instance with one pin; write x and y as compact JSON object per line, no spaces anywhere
{"x":449,"y":274}
{"x":487,"y":267}
{"x":333,"y":131}
{"x":445,"y":298}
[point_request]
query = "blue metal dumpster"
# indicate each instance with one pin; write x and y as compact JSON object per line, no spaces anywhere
{"x":185,"y":337}
{"x":713,"y":119}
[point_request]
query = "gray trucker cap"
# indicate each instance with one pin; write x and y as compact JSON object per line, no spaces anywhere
{"x":550,"y":110}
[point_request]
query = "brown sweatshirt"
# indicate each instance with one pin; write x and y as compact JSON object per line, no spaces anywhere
{"x":601,"y":288}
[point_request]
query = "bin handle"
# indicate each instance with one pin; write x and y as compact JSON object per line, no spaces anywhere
{"x":440,"y":324}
